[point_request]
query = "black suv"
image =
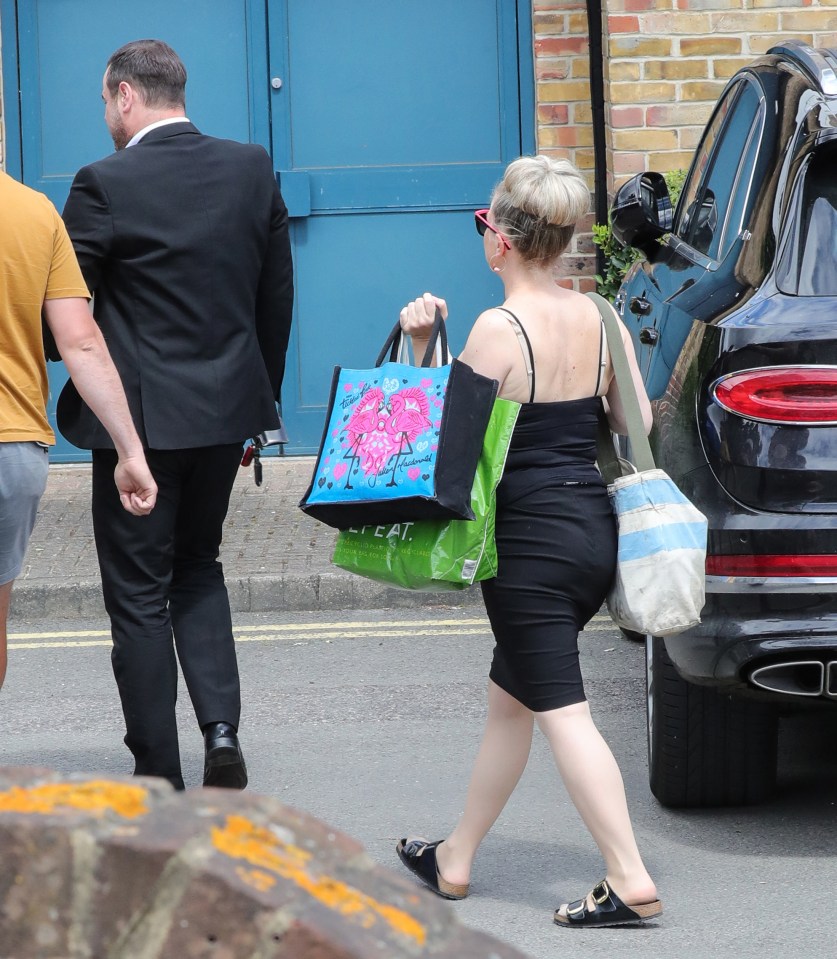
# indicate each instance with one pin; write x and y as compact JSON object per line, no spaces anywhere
{"x":734,"y":319}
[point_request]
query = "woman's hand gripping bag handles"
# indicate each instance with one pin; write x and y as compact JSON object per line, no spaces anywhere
{"x":659,"y":589}
{"x":401,"y":443}
{"x":438,"y":554}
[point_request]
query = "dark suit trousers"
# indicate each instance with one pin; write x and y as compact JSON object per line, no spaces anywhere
{"x":161,"y":576}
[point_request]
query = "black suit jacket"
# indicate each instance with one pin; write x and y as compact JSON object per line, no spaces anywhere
{"x":183,"y":240}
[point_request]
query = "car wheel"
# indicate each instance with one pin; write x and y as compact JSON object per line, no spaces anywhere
{"x":705,"y":748}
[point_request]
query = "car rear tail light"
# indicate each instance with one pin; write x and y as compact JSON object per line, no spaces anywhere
{"x":797,"y":395}
{"x":772,"y":564}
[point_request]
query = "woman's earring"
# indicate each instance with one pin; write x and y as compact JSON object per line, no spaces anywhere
{"x":498,"y":269}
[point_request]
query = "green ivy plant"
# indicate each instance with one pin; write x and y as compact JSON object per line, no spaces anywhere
{"x":619,"y":259}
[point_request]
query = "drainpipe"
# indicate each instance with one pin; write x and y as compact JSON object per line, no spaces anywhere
{"x":596,"y":48}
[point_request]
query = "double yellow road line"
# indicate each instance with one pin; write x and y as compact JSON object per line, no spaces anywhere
{"x":291,"y":632}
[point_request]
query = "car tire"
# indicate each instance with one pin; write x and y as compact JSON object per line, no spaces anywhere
{"x":705,"y":748}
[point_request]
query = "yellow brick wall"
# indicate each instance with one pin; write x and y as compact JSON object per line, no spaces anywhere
{"x":666,"y":61}
{"x":565,"y":119}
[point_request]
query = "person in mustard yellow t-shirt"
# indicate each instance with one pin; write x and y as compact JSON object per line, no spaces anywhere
{"x":39,"y":276}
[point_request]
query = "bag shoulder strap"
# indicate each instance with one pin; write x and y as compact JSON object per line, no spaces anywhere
{"x":603,"y":354}
{"x":640,"y":447}
{"x":525,"y":348}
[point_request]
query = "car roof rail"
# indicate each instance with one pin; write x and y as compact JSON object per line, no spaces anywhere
{"x":820,"y":65}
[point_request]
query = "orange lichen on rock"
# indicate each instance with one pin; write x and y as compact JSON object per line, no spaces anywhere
{"x":95,"y":797}
{"x":244,"y":840}
{"x":256,"y":878}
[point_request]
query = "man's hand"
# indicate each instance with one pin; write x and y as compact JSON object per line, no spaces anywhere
{"x":137,"y":489}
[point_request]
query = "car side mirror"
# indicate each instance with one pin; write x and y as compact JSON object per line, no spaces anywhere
{"x":641,"y":212}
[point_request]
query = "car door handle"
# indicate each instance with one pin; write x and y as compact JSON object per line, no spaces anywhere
{"x":649,"y":336}
{"x":640,"y":306}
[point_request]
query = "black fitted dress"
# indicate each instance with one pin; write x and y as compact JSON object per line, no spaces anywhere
{"x":556,"y":546}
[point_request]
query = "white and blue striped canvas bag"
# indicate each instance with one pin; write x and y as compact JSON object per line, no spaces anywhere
{"x":660,"y":567}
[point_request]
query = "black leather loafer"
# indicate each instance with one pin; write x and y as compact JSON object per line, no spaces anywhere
{"x":224,"y":762}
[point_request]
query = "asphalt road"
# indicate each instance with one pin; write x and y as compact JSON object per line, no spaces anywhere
{"x":370,"y":721}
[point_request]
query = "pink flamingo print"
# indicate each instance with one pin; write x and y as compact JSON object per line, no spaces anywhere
{"x":409,"y":412}
{"x":409,"y":419}
{"x":362,"y":427}
{"x":379,"y":429}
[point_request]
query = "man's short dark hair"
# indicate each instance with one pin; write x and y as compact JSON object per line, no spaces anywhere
{"x":153,"y":68}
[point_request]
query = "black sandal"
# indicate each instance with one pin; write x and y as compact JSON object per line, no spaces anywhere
{"x":609,"y":910}
{"x":420,"y":858}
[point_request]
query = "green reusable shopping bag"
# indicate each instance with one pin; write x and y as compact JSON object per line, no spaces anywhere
{"x":438,"y":554}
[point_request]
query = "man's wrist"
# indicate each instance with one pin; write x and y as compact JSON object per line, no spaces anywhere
{"x":129,"y":451}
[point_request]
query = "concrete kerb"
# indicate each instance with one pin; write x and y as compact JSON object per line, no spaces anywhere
{"x":56,"y":601}
{"x":250,"y":594}
{"x":333,"y":591}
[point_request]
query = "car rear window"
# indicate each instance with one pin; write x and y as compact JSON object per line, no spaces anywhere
{"x":809,"y":267}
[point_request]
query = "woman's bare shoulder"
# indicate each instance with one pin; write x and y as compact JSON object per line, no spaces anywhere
{"x":580,"y":303}
{"x":494,"y":316}
{"x":491,"y":322}
{"x":488,"y":343}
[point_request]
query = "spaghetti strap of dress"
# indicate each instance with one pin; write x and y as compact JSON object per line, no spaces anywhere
{"x":526,"y":349}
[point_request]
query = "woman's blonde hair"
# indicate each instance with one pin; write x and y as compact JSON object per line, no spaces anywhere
{"x":537,"y":205}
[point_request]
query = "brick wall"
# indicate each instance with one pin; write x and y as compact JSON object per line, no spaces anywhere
{"x":666,"y":61}
{"x":564,"y":113}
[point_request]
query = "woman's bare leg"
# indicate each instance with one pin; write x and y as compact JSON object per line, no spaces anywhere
{"x":499,"y":765}
{"x":594,"y":783}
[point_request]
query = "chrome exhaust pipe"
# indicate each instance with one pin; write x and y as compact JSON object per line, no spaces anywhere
{"x":805,"y":677}
{"x":831,"y":680}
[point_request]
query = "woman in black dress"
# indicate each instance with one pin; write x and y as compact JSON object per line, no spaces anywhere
{"x":556,"y":539}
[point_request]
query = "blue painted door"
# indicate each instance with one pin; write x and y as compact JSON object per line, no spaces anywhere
{"x":389,"y":122}
{"x":63,"y":48}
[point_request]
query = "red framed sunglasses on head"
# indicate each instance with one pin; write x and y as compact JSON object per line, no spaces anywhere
{"x":482,"y":225}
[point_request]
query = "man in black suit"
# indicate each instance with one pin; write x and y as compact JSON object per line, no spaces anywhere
{"x":183,"y":240}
